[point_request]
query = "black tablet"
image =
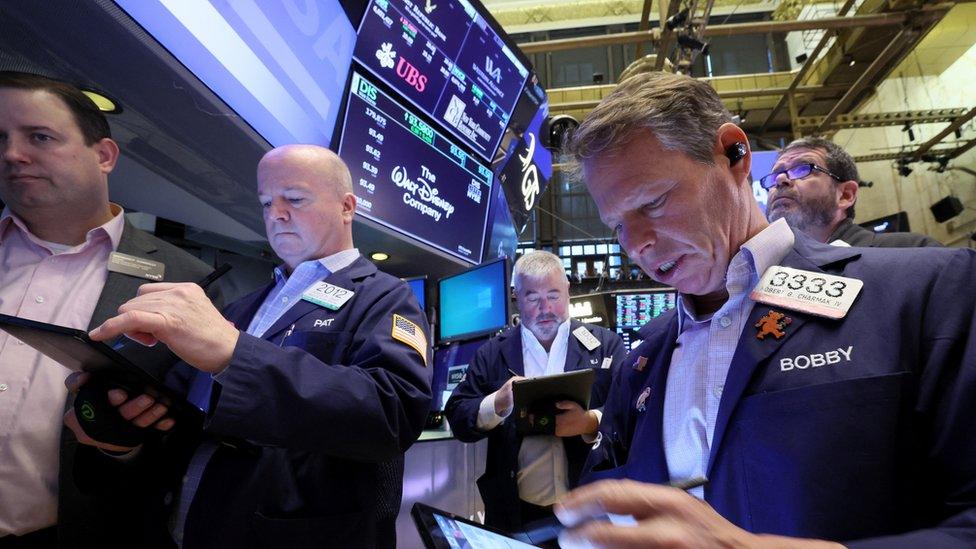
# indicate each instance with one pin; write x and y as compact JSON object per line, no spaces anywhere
{"x":76,"y":351}
{"x":443,"y":530}
{"x":535,"y":399}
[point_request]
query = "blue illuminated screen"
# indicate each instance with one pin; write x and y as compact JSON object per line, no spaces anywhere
{"x":474,"y":302}
{"x":762,"y":164}
{"x":281,"y":67}
{"x":417,"y":287}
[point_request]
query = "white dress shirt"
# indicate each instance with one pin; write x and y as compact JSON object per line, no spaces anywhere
{"x":51,"y":283}
{"x":542,"y":475}
{"x":701,"y":359}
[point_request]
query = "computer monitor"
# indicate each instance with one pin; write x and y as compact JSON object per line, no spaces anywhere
{"x":473,"y":302}
{"x":634,"y":309}
{"x":418,"y":285}
{"x":450,"y":364}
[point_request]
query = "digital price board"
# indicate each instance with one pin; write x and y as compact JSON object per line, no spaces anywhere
{"x":407,"y":176}
{"x":446,"y":59}
{"x":634,"y":310}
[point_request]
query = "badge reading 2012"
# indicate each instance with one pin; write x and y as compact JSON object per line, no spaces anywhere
{"x":327,"y":295}
{"x":819,"y":294}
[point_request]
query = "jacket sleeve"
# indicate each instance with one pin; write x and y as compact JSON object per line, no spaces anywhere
{"x":946,"y":407}
{"x":370,"y":407}
{"x":463,"y":406}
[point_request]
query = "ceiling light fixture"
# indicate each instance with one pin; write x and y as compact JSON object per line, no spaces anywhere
{"x":104,"y":103}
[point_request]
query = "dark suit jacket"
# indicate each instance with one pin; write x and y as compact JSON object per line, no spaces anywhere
{"x":855,"y":235}
{"x":489,"y":370}
{"x":811,"y":443}
{"x":311,"y":422}
{"x":84,"y":521}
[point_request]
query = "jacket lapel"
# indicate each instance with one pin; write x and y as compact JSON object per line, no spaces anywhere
{"x":512,"y":351}
{"x":751,"y":352}
{"x":117,"y":284}
{"x":647,"y":443}
{"x":575,"y":356}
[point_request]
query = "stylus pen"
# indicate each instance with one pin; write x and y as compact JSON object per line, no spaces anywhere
{"x":688,"y":484}
{"x":213,"y":276}
{"x":511,"y":371}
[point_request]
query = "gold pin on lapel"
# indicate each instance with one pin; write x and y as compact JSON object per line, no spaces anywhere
{"x":773,"y":323}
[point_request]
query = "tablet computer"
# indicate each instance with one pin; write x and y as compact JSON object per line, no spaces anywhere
{"x":536,"y":397}
{"x":443,"y":530}
{"x":76,"y":351}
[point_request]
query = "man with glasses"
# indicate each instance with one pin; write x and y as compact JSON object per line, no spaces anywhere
{"x":813,"y":186}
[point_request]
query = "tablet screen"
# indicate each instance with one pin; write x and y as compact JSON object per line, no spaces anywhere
{"x":442,"y":530}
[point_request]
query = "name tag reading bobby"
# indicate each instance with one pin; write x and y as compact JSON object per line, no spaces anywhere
{"x":327,"y":295}
{"x":136,"y":266}
{"x":819,"y":294}
{"x":586,"y":338}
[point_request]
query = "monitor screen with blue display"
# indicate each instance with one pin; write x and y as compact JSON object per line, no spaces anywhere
{"x":281,"y":68}
{"x":474,"y":302}
{"x":410,"y":178}
{"x":447,"y":60}
{"x":418,"y":285}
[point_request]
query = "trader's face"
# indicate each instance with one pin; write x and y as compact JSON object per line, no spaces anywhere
{"x":811,"y":202}
{"x":304,"y":214}
{"x":543,"y":304}
{"x":45,"y":166}
{"x":674,"y":216}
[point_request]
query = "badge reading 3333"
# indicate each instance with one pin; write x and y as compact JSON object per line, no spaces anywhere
{"x":819,"y":294}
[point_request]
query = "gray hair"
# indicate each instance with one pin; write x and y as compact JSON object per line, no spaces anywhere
{"x":839,"y":162}
{"x":683,"y":113}
{"x":536,"y":265}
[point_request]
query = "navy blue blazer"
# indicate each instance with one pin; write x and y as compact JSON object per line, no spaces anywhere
{"x":851,"y":429}
{"x":311,"y":422}
{"x":489,"y":370}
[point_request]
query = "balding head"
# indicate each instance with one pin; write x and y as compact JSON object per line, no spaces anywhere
{"x":306,"y":196}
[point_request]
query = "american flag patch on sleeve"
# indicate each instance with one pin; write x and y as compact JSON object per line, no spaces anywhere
{"x":411,"y":334}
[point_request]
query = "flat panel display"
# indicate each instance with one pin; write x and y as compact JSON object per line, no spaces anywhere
{"x":446,"y":59}
{"x":281,"y":67}
{"x":450,"y":364}
{"x":762,"y":164}
{"x":474,"y":302}
{"x":410,"y":178}
{"x":418,"y":285}
{"x":634,"y":310}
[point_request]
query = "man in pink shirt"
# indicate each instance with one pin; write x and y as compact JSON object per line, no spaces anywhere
{"x":61,"y":242}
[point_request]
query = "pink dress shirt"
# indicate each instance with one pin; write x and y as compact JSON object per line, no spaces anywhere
{"x":50,"y":283}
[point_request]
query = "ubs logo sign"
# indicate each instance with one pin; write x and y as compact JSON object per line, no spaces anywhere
{"x":411,"y":74}
{"x":530,"y":175}
{"x":492,"y":70}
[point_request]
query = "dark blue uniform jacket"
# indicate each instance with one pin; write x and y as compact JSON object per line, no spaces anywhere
{"x":489,"y":370}
{"x":312,"y":421}
{"x":881,"y":445}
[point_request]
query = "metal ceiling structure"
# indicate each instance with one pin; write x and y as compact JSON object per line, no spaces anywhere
{"x":859,"y":49}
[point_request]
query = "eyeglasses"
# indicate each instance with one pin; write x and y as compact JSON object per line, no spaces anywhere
{"x":796,"y":172}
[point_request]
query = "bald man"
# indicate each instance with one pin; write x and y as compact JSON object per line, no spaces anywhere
{"x":313,"y":386}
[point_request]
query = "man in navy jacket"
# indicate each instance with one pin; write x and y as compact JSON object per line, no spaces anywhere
{"x":313,"y":387}
{"x":525,"y":475}
{"x":825,"y":393}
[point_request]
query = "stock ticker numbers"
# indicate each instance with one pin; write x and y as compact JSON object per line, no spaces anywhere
{"x":445,"y":58}
{"x":410,"y":178}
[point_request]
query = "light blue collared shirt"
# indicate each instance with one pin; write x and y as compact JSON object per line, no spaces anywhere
{"x":288,"y":290}
{"x":701,"y":359}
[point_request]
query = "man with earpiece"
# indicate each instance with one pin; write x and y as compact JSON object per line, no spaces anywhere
{"x":806,"y":395}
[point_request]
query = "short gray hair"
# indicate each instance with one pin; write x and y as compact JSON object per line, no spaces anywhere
{"x":683,"y":113}
{"x":536,"y":264}
{"x":839,"y":162}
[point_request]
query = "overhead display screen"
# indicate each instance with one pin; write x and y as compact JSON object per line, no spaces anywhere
{"x":281,"y":68}
{"x":448,"y":61}
{"x":410,"y":178}
{"x":634,"y":310}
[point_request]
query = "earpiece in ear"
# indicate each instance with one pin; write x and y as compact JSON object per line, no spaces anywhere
{"x":735,"y":152}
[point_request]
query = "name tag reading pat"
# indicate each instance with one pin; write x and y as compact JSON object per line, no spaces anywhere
{"x":327,"y":295}
{"x":819,"y":294}
{"x":136,"y":266}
